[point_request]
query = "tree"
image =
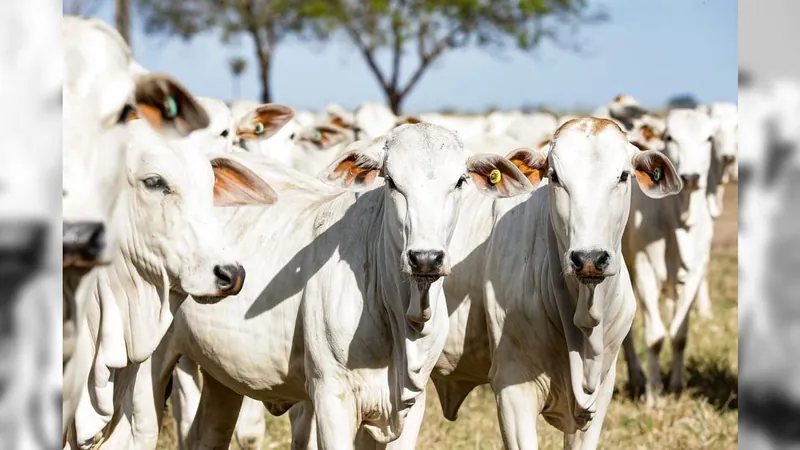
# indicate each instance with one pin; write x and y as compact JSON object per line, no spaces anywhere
{"x":430,"y":28}
{"x":266,"y":22}
{"x":122,"y":19}
{"x":238,"y":65}
{"x":682,"y":101}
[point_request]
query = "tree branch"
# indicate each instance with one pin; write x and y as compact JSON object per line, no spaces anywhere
{"x":397,"y":50}
{"x":427,"y":58}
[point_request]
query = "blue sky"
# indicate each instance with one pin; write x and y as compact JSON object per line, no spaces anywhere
{"x":650,"y":49}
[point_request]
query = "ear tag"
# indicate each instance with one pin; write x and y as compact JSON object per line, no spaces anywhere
{"x":657,"y":174}
{"x":170,"y":107}
{"x":259,"y":128}
{"x":495,"y":176}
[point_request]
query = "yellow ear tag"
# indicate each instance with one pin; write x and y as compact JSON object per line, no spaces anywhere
{"x":495,"y":176}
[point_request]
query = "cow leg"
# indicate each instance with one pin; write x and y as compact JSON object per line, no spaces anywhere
{"x":679,"y":328}
{"x":304,"y":427}
{"x":589,"y":439}
{"x":636,"y":377}
{"x":517,"y":407}
{"x":647,"y":289}
{"x":251,"y":427}
{"x":216,"y":416}
{"x":408,"y":438}
{"x":335,"y":413}
{"x":186,"y":383}
{"x":704,"y":300}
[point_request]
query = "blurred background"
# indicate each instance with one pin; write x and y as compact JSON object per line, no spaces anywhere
{"x":769,"y":105}
{"x":474,"y":57}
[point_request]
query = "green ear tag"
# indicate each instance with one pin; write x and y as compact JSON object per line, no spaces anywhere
{"x":170,"y":107}
{"x":317,"y":136}
{"x":495,"y":176}
{"x":657,"y":174}
{"x":259,"y":128}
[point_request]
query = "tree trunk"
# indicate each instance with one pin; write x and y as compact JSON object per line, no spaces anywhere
{"x":264,"y":66}
{"x":122,"y":19}
{"x":395,"y":100}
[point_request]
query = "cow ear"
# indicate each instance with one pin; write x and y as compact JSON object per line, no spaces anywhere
{"x":264,"y":122}
{"x":358,"y":166}
{"x":168,"y":106}
{"x":655,"y":173}
{"x":236,"y":185}
{"x":532,"y":163}
{"x":496,"y":176}
{"x":327,"y":136}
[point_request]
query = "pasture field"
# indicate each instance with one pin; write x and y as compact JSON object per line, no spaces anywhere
{"x":704,"y":417}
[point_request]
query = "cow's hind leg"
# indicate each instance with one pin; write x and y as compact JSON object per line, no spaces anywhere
{"x":216,"y":416}
{"x":304,"y":427}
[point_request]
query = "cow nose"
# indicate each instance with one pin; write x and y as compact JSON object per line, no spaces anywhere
{"x":690,"y":179}
{"x":84,"y":242}
{"x":589,"y":262}
{"x":230,"y":278}
{"x":425,"y":262}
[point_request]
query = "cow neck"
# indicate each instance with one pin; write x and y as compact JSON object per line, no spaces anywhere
{"x":412,"y":343}
{"x":141,"y":289}
{"x":582,"y":312}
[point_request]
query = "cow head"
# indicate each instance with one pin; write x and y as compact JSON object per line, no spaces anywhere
{"x":590,"y":167}
{"x":166,"y":216}
{"x":425,"y":168}
{"x":100,"y":95}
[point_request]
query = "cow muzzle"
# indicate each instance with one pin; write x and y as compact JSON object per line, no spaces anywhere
{"x":230,"y":279}
{"x":84,"y":244}
{"x":426,"y":265}
{"x":691,"y":181}
{"x":590,"y":266}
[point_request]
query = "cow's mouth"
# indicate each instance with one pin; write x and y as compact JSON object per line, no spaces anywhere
{"x":590,"y":280}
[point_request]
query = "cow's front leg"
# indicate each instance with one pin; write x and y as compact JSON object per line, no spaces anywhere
{"x":518,"y":405}
{"x":334,"y":408}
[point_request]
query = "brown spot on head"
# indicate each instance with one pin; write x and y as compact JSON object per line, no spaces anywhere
{"x":589,"y":125}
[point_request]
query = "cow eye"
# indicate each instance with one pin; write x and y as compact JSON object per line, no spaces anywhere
{"x":390,"y":184}
{"x":623,"y":177}
{"x":126,"y":114}
{"x":156,"y":183}
{"x":461,"y":181}
{"x":668,"y":138}
{"x":224,"y":133}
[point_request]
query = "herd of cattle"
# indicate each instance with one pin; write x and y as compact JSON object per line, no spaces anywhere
{"x":245,"y":257}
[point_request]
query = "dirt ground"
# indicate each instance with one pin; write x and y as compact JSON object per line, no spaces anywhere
{"x":704,"y":417}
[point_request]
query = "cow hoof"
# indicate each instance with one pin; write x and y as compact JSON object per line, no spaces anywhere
{"x":637,"y":383}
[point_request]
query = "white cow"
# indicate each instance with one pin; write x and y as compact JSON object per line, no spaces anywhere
{"x":667,"y":247}
{"x":377,"y":256}
{"x":170,"y":247}
{"x":557,"y":297}
{"x":102,"y":90}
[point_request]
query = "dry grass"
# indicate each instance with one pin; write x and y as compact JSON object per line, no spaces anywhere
{"x":704,"y":417}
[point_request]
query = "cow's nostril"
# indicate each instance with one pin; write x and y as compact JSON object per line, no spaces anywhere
{"x":426,"y":262}
{"x":601,"y":260}
{"x":577,"y":260}
{"x":230,"y":278}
